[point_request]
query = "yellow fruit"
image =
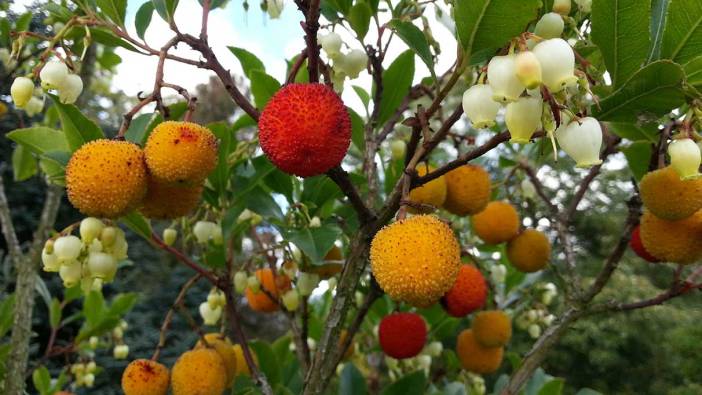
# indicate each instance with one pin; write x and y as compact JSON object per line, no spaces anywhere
{"x":181,"y":153}
{"x":241,"y":366}
{"x":529,"y":252}
{"x":415,"y":260}
{"x":145,"y":377}
{"x":499,"y":222}
{"x":492,"y":328}
{"x":432,"y":193}
{"x":475,"y":357}
{"x":199,"y":372}
{"x":224,"y":347}
{"x":673,"y":241}
{"x":166,"y":201}
{"x":467,"y":190}
{"x":668,"y":197}
{"x":106,"y":178}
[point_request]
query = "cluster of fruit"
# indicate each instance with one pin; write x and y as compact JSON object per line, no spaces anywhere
{"x":89,"y":260}
{"x":108,"y":178}
{"x":209,"y":368}
{"x":671,"y":225}
{"x":346,"y":65}
{"x":54,"y":76}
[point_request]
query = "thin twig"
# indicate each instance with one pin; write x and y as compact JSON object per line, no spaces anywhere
{"x":169,"y":315}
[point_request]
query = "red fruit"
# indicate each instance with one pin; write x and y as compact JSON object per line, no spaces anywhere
{"x":402,"y":335}
{"x":636,"y":244}
{"x":305,"y":129}
{"x":467,"y":294}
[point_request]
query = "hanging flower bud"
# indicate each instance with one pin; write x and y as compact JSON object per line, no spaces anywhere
{"x":582,"y":141}
{"x":34,"y":106}
{"x":209,"y":315}
{"x":557,"y":64}
{"x":49,"y":261}
{"x":550,"y":25}
{"x":528,"y":69}
{"x":53,"y":74}
{"x":315,"y":222}
{"x":479,"y":106}
{"x":101,"y":265}
{"x":108,"y":236}
{"x":70,"y":89}
{"x":561,"y":6}
{"x":585,"y":6}
{"x":217,"y":236}
{"x":685,"y":157}
{"x":534,"y":331}
{"x":306,"y":283}
{"x":67,"y":248}
{"x":291,"y":300}
{"x":503,"y":79}
{"x":203,"y":231}
{"x":120,"y":351}
{"x":240,"y":282}
{"x":398,"y":148}
{"x":71,"y":272}
{"x":528,"y":189}
{"x":274,"y":8}
{"x":352,"y":63}
{"x":21,"y":91}
{"x":254,"y":284}
{"x":169,"y":236}
{"x":522,"y":118}
{"x":331,"y":44}
{"x":90,"y":228}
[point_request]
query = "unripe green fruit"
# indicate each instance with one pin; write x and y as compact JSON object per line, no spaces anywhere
{"x":169,"y":236}
{"x":90,"y":228}
{"x":522,"y":118}
{"x":102,"y":265}
{"x":71,"y":272}
{"x":685,"y":158}
{"x":21,"y":91}
{"x":528,"y":69}
{"x":67,"y":248}
{"x":550,"y":25}
{"x":53,"y":74}
{"x":397,"y":149}
{"x":291,"y":300}
{"x":240,"y":282}
{"x":70,"y":89}
{"x":562,"y":6}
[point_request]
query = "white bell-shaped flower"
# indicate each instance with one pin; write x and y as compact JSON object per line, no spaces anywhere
{"x":169,"y":236}
{"x":562,"y":6}
{"x":21,"y":91}
{"x":550,"y":25}
{"x":90,"y":228}
{"x":685,"y":158}
{"x":209,"y":315}
{"x":70,"y":89}
{"x":503,"y":80}
{"x":528,"y":69}
{"x":352,"y":63}
{"x":49,"y":261}
{"x":67,"y":248}
{"x":291,"y":300}
{"x":479,"y":106}
{"x":120,"y":351}
{"x":582,"y":141}
{"x":204,"y":231}
{"x":34,"y":106}
{"x":240,"y":281}
{"x":331,"y":44}
{"x":557,"y":64}
{"x":274,"y":8}
{"x":53,"y":74}
{"x":523,"y":118}
{"x":71,"y":273}
{"x":101,"y":265}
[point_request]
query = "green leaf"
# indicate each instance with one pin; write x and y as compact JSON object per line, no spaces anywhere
{"x":318,"y":190}
{"x":249,"y":62}
{"x":359,"y":18}
{"x":363,"y":95}
{"x":7,"y":307}
{"x":314,"y":242}
{"x":659,"y":12}
{"x":141,"y":126}
{"x":410,"y":384}
{"x":106,"y":37}
{"x":114,"y":9}
{"x":76,"y":126}
{"x":553,"y":387}
{"x":122,"y":303}
{"x":588,"y":391}
{"x":263,"y":87}
{"x":620,"y":28}
{"x":138,"y":224}
{"x":650,"y":93}
{"x":267,"y":361}
{"x":22,"y":23}
{"x":357,"y":130}
{"x":39,"y":139}
{"x":165,"y":8}
{"x":486,"y":25}
{"x":24,"y":165}
{"x":693,"y":72}
{"x":682,"y":38}
{"x":93,"y":307}
{"x":55,"y":313}
{"x":638,"y":155}
{"x":397,"y":80}
{"x":635,"y":132}
{"x":42,"y":380}
{"x":415,"y":39}
{"x":142,"y":20}
{"x":261,"y":202}
{"x":352,"y":381}
{"x":219,"y":178}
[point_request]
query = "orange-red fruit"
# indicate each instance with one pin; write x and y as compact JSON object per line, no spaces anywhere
{"x":637,"y":245}
{"x":492,"y":328}
{"x":402,"y":335}
{"x":274,"y":285}
{"x":305,"y":129}
{"x":168,"y":201}
{"x":467,"y":294}
{"x":499,"y":222}
{"x":145,"y":377}
{"x":530,"y":251}
{"x":475,"y":357}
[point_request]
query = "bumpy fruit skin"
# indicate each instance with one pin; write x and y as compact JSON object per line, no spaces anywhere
{"x":492,"y":328}
{"x":636,"y":244}
{"x":225,"y":350}
{"x":106,"y":178}
{"x":260,"y":301}
{"x":476,"y":358}
{"x":199,"y":372}
{"x":242,"y":368}
{"x":168,"y":201}
{"x":530,"y":251}
{"x":668,"y":197}
{"x":499,"y":222}
{"x":402,"y":335}
{"x":673,"y":241}
{"x":305,"y":129}
{"x":415,"y":260}
{"x":432,"y":193}
{"x":181,"y":153}
{"x":145,"y":377}
{"x":467,"y":294}
{"x":467,"y":190}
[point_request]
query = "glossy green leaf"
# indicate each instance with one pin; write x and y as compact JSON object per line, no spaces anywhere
{"x":93,"y":307}
{"x":411,"y":384}
{"x":553,"y":387}
{"x":649,"y":94}
{"x":314,"y":242}
{"x":39,"y":139}
{"x":359,"y":18}
{"x":41,"y":379}
{"x":108,"y":60}
{"x":415,"y":39}
{"x":219,"y":178}
{"x":682,"y":38}
{"x":621,"y":29}
{"x":24,"y":165}
{"x":267,"y":361}
{"x":352,"y":381}
{"x":138,"y":224}
{"x":106,"y":37}
{"x":659,"y":13}
{"x":357,"y":130}
{"x":122,"y":303}
{"x":22,"y":23}
{"x":55,"y":313}
{"x":263,"y":87}
{"x":362,"y":95}
{"x":634,"y":132}
{"x":693,"y":72}
{"x":114,"y":9}
{"x":142,"y":20}
{"x":141,"y":126}
{"x":6,"y":313}
{"x":397,"y":80}
{"x":638,"y":155}
{"x":77,"y":127}
{"x":249,"y":62}
{"x":261,"y":202}
{"x":165,"y":8}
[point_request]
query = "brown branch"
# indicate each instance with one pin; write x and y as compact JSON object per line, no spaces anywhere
{"x":311,"y":26}
{"x":205,"y":16}
{"x":169,"y":315}
{"x":341,"y":178}
{"x":374,"y":293}
{"x":296,"y":67}
{"x":184,"y":259}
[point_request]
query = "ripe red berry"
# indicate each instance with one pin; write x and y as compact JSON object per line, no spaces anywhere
{"x":467,"y":294}
{"x":636,"y":244}
{"x":402,"y":335}
{"x":305,"y":129}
